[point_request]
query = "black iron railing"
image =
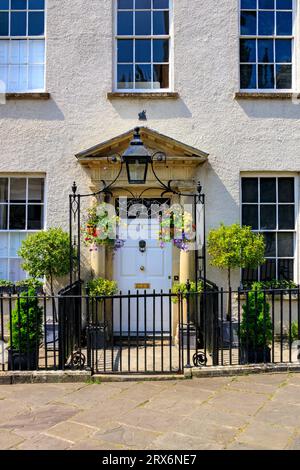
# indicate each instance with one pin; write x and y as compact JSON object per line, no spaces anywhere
{"x":148,"y":332}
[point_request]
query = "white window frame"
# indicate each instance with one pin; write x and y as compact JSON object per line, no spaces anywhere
{"x":295,"y":51}
{"x":296,"y":232}
{"x":170,"y":37}
{"x":18,"y":231}
{"x":28,"y":38}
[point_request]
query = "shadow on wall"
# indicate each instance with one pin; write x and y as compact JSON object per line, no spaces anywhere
{"x":271,"y":109}
{"x":155,"y":109}
{"x":44,"y":110}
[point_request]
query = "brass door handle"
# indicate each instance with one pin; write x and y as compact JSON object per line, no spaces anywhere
{"x":142,"y":268}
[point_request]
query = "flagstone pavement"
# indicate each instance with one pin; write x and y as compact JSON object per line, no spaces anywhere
{"x":250,"y":412}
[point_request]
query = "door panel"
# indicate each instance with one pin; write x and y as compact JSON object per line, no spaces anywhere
{"x":152,"y":268}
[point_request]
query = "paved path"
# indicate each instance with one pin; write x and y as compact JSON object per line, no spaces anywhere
{"x":253,"y":412}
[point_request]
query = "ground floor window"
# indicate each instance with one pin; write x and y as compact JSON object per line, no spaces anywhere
{"x":268,"y":206}
{"x":21,"y":213}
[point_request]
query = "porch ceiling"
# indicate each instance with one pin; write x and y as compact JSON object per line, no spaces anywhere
{"x":177,"y":152}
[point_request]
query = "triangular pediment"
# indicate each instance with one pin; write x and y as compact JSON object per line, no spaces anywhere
{"x":153,"y":140}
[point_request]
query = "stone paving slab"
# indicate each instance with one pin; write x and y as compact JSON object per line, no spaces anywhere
{"x":236,"y":413}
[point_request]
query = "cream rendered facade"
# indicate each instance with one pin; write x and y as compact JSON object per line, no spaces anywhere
{"x":241,"y":136}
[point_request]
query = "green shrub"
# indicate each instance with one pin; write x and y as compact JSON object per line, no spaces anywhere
{"x":274,"y":284}
{"x":99,"y":287}
{"x":30,"y":283}
{"x":27,"y":322}
{"x":294,"y":332}
{"x":5,"y":283}
{"x":182,"y":289}
{"x":256,"y":325}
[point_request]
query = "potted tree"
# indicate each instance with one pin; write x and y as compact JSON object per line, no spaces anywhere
{"x":231,"y":247}
{"x":256,"y":328}
{"x":47,"y":254}
{"x":97,"y":289}
{"x":25,"y":332}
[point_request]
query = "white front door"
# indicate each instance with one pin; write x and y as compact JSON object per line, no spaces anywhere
{"x":144,"y":269}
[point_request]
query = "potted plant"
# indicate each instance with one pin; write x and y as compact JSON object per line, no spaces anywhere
{"x":177,"y":226}
{"x":231,"y":247}
{"x":6,"y":287}
{"x":26,"y":284}
{"x":100,"y":228}
{"x":256,"y":328}
{"x":25,"y":332}
{"x":96,"y":289}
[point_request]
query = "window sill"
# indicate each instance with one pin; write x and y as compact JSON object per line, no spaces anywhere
{"x":28,"y":96}
{"x":265,"y":96}
{"x":143,"y":95}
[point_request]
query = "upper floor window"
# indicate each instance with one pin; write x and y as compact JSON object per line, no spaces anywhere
{"x":269,"y":207}
{"x":143,"y":45}
{"x":22,"y":45}
{"x":266,"y":45}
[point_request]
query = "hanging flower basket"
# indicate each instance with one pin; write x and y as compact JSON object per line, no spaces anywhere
{"x":100,"y":228}
{"x":177,"y":227}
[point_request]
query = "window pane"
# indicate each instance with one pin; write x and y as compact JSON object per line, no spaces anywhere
{"x":15,"y":271}
{"x":161,"y":50}
{"x":266,"y":4}
{"x":248,"y":50}
{"x":283,"y":50}
{"x":143,"y":4}
{"x":161,"y":22}
{"x":285,"y":245}
{"x":4,"y":4}
{"x":250,"y":216}
{"x":249,"y":275}
{"x":125,"y":4}
{"x":248,"y":76}
{"x":286,"y":269}
{"x":125,"y":22}
{"x":268,"y":270}
{"x":160,"y":4}
{"x":3,"y":245}
{"x":36,"y":190}
{"x":267,"y":217}
{"x":250,"y":189}
{"x":266,"y":25}
{"x":18,"y":23}
{"x":3,"y":189}
{"x":125,"y":76}
{"x":18,"y":190}
{"x":248,"y":23}
{"x":143,"y":76}
{"x":270,"y":241}
{"x":284,"y":23}
{"x":17,"y":217}
{"x":160,"y":76}
{"x":3,"y":24}
{"x":36,"y":23}
{"x":3,"y":269}
{"x":266,"y":76}
{"x":286,"y":189}
{"x":286,"y":217}
{"x":36,"y":4}
{"x":18,"y":4}
{"x":36,"y":76}
{"x":125,"y":50}
{"x":3,"y":217}
{"x":36,"y":51}
{"x":15,"y":243}
{"x":268,"y":190}
{"x":143,"y":23}
{"x":35,"y":217}
{"x":143,"y":50}
{"x":265,"y":50}
{"x":284,"y":4}
{"x":284,"y":77}
{"x":248,"y":4}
